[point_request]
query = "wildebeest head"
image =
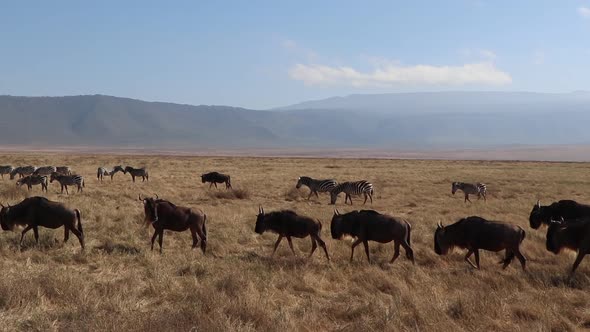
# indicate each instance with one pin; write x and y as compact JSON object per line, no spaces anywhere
{"x":454,"y":188}
{"x":554,"y":242}
{"x":538,"y":216}
{"x":204,"y":178}
{"x":441,"y":244}
{"x":4,"y":222}
{"x":336,"y":225}
{"x":260,"y":221}
{"x":150,"y":207}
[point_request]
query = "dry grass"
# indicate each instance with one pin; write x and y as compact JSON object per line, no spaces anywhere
{"x":119,"y":284}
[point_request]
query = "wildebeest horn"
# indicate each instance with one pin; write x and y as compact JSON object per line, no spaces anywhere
{"x":2,"y":205}
{"x":259,"y":209}
{"x":539,"y":203}
{"x":140,"y":197}
{"x":157,"y":196}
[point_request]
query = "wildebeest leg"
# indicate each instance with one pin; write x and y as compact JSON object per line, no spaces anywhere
{"x":276,"y":245}
{"x":366,"y":244}
{"x":215,"y":183}
{"x":508,"y":258}
{"x":160,"y":238}
{"x":195,"y":238}
{"x":395,"y":253}
{"x":291,"y":245}
{"x":133,"y":177}
{"x":356,"y":243}
{"x":469,"y":253}
{"x":66,"y":234}
{"x":578,"y":260}
{"x":476,"y":252}
{"x":521,"y":258}
{"x":67,"y":193}
{"x":22,"y":234}
{"x":203,"y":237}
{"x":323,"y":245}
{"x":154,"y":238}
{"x":79,"y":235}
{"x":36,"y":232}
{"x":210,"y":185}
{"x":314,"y":245}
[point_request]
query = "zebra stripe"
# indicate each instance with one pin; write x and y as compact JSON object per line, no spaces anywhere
{"x":68,"y":180}
{"x":479,"y":189}
{"x":103,"y":171}
{"x":137,"y":172}
{"x":352,"y":188}
{"x":45,"y":170}
{"x":316,"y":186}
{"x":64,"y":170}
{"x":33,"y":180}
{"x":22,"y":171}
{"x":5,"y":170}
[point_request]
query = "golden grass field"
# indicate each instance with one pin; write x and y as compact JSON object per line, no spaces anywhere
{"x":117,"y":283}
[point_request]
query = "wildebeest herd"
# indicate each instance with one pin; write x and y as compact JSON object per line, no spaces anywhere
{"x":568,"y":221}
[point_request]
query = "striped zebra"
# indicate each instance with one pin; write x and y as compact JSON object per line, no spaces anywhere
{"x":45,"y":170}
{"x":102,"y":171}
{"x":316,"y":186}
{"x":33,"y":180}
{"x":137,"y":172}
{"x":5,"y":170}
{"x":478,"y":189}
{"x":68,"y":180}
{"x":64,"y":170}
{"x":352,"y":188}
{"x":22,"y":171}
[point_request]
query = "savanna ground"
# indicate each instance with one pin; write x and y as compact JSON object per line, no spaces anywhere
{"x":117,"y":283}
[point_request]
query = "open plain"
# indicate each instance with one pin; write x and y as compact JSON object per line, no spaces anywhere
{"x":117,"y":283}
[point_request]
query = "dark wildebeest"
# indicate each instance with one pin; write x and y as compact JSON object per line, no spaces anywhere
{"x":33,"y":180}
{"x":573,"y":235}
{"x":566,"y":209}
{"x":289,"y":224}
{"x":137,"y":172}
{"x":162,"y":214}
{"x":370,"y":225}
{"x":214,"y":178}
{"x":474,"y":233}
{"x":38,"y":211}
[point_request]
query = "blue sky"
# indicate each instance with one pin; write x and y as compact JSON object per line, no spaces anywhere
{"x":262,"y":54}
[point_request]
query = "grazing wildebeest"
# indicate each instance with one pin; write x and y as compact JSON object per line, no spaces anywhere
{"x":137,"y":172}
{"x":45,"y":170}
{"x":214,"y":178}
{"x":22,"y":171}
{"x":352,"y":188}
{"x":162,"y":214}
{"x":573,"y":235}
{"x":64,"y":170}
{"x":38,"y":211}
{"x":478,"y":189}
{"x":474,"y":233}
{"x":568,"y":209}
{"x":6,"y":170}
{"x":102,"y":171}
{"x":316,"y":186}
{"x":33,"y":180}
{"x":68,"y":180}
{"x":370,"y":225}
{"x":287,"y":223}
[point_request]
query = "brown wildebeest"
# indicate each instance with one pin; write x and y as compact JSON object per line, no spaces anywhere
{"x":474,"y":233}
{"x":162,"y":214}
{"x":214,"y":178}
{"x":38,"y":211}
{"x":573,"y":235}
{"x":289,"y":224}
{"x":370,"y":225}
{"x":566,"y":209}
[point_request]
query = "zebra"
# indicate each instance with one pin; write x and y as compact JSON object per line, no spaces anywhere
{"x":33,"y":180}
{"x":137,"y":172}
{"x":45,"y":170}
{"x":316,"y":186}
{"x":102,"y":171}
{"x":22,"y":171}
{"x":352,"y":188}
{"x":68,"y":180}
{"x":478,"y":189}
{"x":64,"y":170}
{"x":5,"y":170}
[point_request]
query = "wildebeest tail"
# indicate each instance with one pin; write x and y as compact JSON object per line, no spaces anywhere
{"x":522,"y":234}
{"x":409,"y":233}
{"x":79,"y":221}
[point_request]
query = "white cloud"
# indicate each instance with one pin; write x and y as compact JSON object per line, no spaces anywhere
{"x":584,"y":12}
{"x":389,"y":74}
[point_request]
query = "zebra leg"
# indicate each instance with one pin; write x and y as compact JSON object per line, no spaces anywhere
{"x":133,"y":178}
{"x":366,"y":196}
{"x":309,"y":196}
{"x":316,"y":194}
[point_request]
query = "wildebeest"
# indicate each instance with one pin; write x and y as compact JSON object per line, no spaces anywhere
{"x":33,"y":180}
{"x":38,"y":211}
{"x":573,"y":235}
{"x":45,"y":170}
{"x":64,"y":170}
{"x":478,"y":189}
{"x":162,"y":214}
{"x":287,"y":223}
{"x":102,"y":171}
{"x":214,"y":178}
{"x":68,"y":180}
{"x":474,"y":233}
{"x":137,"y":172}
{"x":22,"y":171}
{"x":370,"y":225}
{"x":6,"y":170}
{"x":566,"y":209}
